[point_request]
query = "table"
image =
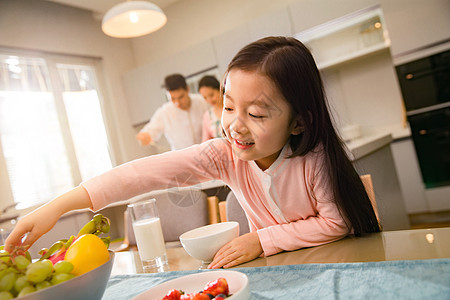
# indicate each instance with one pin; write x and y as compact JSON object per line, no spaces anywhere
{"x":406,"y":264}
{"x":384,"y":246}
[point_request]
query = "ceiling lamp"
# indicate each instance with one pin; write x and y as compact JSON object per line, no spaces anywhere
{"x":132,"y":19}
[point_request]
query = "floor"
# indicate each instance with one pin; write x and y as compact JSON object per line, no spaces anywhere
{"x":430,"y":220}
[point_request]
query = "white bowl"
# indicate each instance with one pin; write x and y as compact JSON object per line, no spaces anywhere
{"x":237,"y":283}
{"x":202,"y":243}
{"x":90,"y":285}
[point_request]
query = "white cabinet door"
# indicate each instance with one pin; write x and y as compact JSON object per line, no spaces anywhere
{"x":191,"y":60}
{"x":228,"y":44}
{"x":143,"y":92}
{"x":308,"y":13}
{"x":413,"y":24}
{"x":144,"y":85}
{"x":409,"y":177}
{"x":273,"y":24}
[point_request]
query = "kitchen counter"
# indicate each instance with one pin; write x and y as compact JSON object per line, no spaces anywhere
{"x":365,"y":145}
{"x":372,"y":154}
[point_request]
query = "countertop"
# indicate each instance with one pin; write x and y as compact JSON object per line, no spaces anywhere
{"x":367,"y":144}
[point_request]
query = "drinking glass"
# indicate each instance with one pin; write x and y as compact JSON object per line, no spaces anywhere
{"x":149,"y":236}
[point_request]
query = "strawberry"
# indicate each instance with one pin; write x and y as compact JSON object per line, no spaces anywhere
{"x":195,"y":296}
{"x":216,"y":287}
{"x":173,"y":295}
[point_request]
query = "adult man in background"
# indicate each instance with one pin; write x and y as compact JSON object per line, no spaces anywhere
{"x":180,"y":120}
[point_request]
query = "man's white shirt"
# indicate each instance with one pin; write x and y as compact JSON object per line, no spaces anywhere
{"x":182,"y":128}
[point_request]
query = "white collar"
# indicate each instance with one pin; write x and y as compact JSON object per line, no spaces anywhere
{"x":271,"y":170}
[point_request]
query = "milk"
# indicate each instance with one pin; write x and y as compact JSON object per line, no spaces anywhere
{"x":149,"y":238}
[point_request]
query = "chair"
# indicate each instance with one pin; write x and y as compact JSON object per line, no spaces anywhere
{"x":368,"y":185}
{"x":179,"y":211}
{"x":231,"y":210}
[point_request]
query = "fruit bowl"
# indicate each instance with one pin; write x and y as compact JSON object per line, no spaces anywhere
{"x":202,"y":243}
{"x":90,"y":285}
{"x":237,"y":282}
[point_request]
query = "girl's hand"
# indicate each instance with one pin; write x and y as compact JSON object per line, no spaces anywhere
{"x":240,"y":250}
{"x":33,"y":225}
{"x":40,"y":221}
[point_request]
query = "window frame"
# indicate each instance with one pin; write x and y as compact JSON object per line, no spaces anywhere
{"x":52,"y":60}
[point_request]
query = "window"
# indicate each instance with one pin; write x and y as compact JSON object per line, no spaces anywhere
{"x":52,"y":133}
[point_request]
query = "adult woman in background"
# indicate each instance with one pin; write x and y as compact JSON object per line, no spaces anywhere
{"x":209,"y":88}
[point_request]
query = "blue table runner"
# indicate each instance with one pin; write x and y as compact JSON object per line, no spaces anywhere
{"x":408,"y":279}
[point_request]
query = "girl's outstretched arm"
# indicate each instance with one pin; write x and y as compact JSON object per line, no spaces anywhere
{"x":40,"y":221}
{"x":240,"y":250}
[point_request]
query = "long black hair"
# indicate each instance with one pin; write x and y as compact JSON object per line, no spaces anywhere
{"x":291,"y":67}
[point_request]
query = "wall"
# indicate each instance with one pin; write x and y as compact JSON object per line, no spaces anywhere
{"x":47,"y":26}
{"x":232,"y":24}
{"x":210,"y":36}
{"x":194,"y":21}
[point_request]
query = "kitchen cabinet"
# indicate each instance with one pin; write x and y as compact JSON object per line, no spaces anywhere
{"x":418,"y":199}
{"x":143,"y":91}
{"x":144,"y":85}
{"x":372,"y":155}
{"x":273,"y":24}
{"x":347,"y":38}
{"x":416,"y":24}
{"x":410,"y":180}
{"x":228,"y":44}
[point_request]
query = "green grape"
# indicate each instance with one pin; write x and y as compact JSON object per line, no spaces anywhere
{"x":7,"y":281}
{"x":4,"y":256}
{"x":21,"y":282}
{"x":3,"y":265}
{"x":63,"y":266}
{"x":59,"y":278}
{"x":27,"y":290}
{"x":43,"y":285}
{"x":21,"y":262}
{"x":6,"y":295}
{"x":38,"y":271}
{"x":48,"y":262}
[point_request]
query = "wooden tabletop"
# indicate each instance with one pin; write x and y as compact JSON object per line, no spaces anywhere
{"x":389,"y":245}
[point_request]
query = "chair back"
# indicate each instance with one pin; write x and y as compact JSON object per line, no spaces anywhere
{"x":368,"y":185}
{"x":234,"y":212}
{"x":179,"y":211}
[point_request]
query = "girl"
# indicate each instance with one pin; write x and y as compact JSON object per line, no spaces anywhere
{"x":281,"y":157}
{"x":209,"y":88}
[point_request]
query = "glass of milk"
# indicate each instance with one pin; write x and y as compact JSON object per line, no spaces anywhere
{"x":149,"y":236}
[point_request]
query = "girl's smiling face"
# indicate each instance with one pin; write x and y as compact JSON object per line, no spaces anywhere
{"x":256,"y":117}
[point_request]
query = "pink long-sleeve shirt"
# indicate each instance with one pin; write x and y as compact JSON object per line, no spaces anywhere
{"x":290,"y":205}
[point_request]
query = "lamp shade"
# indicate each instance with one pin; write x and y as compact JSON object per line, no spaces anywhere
{"x":132,"y":19}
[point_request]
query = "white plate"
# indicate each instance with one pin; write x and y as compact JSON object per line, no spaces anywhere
{"x":237,"y":283}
